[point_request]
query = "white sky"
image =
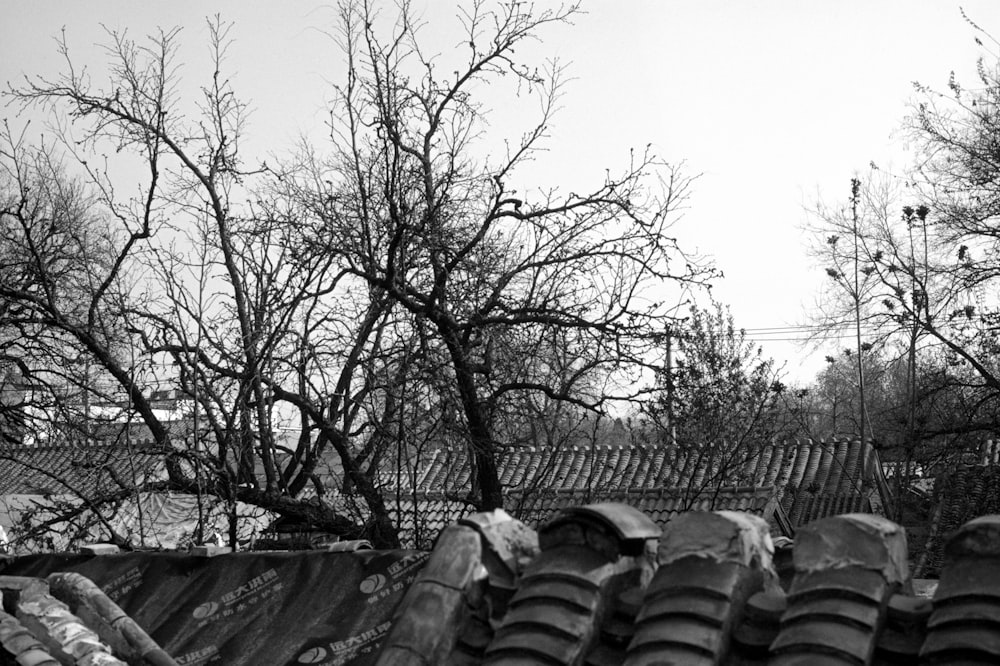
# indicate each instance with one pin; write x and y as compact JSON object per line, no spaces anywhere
{"x":774,"y":103}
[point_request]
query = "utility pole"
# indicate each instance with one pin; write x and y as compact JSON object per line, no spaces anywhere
{"x":911,"y":375}
{"x":671,"y":431}
{"x":855,"y":190}
{"x":912,"y":369}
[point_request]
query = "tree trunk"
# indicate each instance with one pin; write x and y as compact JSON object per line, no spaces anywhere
{"x":487,"y":493}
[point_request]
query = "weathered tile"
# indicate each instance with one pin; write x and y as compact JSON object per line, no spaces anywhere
{"x":605,"y":655}
{"x":968,"y":611}
{"x":865,"y":614}
{"x":431,"y":614}
{"x":573,"y":584}
{"x":575,"y":560}
{"x":63,"y":634}
{"x":967,"y":577}
{"x":570,"y":591}
{"x":710,"y":564}
{"x":710,"y":608}
{"x":629,"y":524}
{"x":753,"y":636}
{"x":965,"y":621}
{"x":908,"y":612}
{"x":869,"y":542}
{"x":961,"y":643}
{"x":695,"y":573}
{"x":905,"y":627}
{"x":695,"y":634}
{"x":847,"y":568}
{"x":513,"y":645}
{"x":848,"y":582}
{"x":823,"y":636}
{"x":570,"y":621}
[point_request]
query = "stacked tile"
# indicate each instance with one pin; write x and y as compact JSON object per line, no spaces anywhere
{"x":113,"y":625}
{"x":22,"y":645}
{"x":846,"y":570}
{"x":709,"y":565}
{"x":595,"y":595}
{"x":589,"y":556}
{"x":849,"y":481}
{"x":428,"y":620}
{"x":905,"y":628}
{"x":63,"y":634}
{"x":448,"y":614}
{"x":507,"y":546}
{"x":965,"y":623}
{"x":759,"y":627}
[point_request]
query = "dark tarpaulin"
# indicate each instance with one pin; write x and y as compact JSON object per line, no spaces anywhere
{"x":307,"y":607}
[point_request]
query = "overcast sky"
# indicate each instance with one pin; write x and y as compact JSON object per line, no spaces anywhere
{"x":774,"y":103}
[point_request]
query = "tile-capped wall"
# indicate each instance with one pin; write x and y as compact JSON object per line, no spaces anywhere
{"x":713,"y":595}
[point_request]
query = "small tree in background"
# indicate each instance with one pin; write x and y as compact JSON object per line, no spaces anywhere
{"x":722,"y":397}
{"x":725,"y":389}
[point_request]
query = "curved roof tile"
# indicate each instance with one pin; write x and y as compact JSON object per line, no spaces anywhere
{"x":810,"y":478}
{"x":712,"y":596}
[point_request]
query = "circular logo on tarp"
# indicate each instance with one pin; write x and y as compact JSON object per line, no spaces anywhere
{"x":205,"y":610}
{"x":312,"y":656}
{"x":373,"y":583}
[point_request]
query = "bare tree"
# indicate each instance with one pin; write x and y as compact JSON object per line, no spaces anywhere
{"x":368,"y":297}
{"x":415,"y":213}
{"x":926,"y":251}
{"x":193,"y":274}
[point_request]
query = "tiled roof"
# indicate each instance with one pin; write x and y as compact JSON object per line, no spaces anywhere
{"x":80,"y":470}
{"x":420,"y":520}
{"x":606,"y":587}
{"x":596,"y":585}
{"x":660,"y":504}
{"x":960,"y":494}
{"x":811,"y":479}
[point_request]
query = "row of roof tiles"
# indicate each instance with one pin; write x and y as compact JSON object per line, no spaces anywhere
{"x":602,"y":584}
{"x":960,"y":495}
{"x":85,"y":470}
{"x":828,"y":467}
{"x":787,"y":483}
{"x":421,"y":518}
{"x":604,"y":587}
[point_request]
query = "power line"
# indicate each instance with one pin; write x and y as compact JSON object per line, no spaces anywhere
{"x":802,"y":327}
{"x":801,"y":339}
{"x":809,"y":327}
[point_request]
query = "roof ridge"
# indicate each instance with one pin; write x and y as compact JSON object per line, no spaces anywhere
{"x":60,"y":447}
